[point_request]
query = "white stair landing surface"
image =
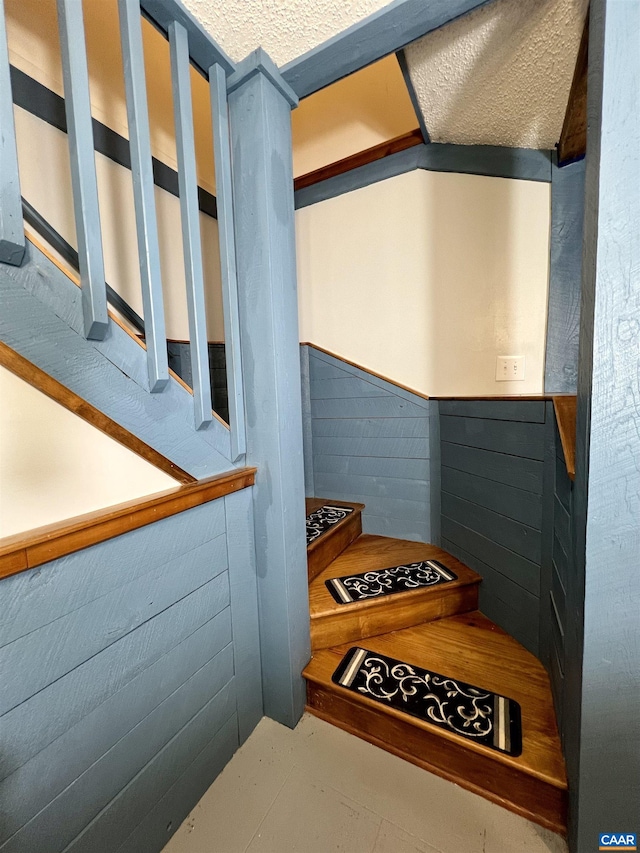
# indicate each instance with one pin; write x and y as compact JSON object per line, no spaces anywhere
{"x":317,"y":789}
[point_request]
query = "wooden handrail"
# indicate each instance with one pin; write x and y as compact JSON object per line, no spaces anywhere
{"x":566,"y":409}
{"x":370,"y":155}
{"x":26,"y":550}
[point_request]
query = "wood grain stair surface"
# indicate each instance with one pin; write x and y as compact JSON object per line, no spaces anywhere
{"x":333,"y":623}
{"x":330,"y":544}
{"x":471,"y":648}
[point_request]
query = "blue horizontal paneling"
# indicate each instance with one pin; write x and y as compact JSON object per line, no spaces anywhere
{"x":120,"y":678}
{"x":380,"y":487}
{"x":373,"y":466}
{"x":492,"y":454}
{"x":120,"y":817}
{"x":34,"y":599}
{"x":503,"y":601}
{"x":366,"y":407}
{"x":74,"y":807}
{"x":67,"y":642}
{"x":531,"y":411}
{"x":499,"y":467}
{"x":517,"y":537}
{"x":516,"y":504}
{"x":514,"y":438}
{"x":372,"y":427}
{"x":171,"y":809}
{"x":37,"y":782}
{"x":369,"y":442}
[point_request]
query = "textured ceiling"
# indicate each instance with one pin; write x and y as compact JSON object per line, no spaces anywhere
{"x":284,"y":28}
{"x":500,"y":75}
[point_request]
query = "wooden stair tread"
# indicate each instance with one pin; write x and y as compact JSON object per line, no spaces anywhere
{"x":473,"y":649}
{"x":333,"y":541}
{"x":369,"y":552}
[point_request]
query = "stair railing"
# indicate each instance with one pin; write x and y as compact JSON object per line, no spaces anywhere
{"x":189,"y":45}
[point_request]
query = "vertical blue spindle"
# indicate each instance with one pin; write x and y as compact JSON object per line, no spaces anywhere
{"x":222,"y":153}
{"x":143,"y":193}
{"x":188,"y":186}
{"x":83,"y":168}
{"x":11,"y":226}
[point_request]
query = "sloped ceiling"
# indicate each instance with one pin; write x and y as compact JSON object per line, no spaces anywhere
{"x":500,"y":75}
{"x":284,"y":28}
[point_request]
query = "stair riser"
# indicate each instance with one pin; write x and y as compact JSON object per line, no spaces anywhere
{"x":519,"y":792}
{"x":331,"y":544}
{"x":391,"y":614}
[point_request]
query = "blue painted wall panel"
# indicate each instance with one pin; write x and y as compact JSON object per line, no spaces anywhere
{"x":120,"y":665}
{"x":492,"y":483}
{"x":370,"y":443}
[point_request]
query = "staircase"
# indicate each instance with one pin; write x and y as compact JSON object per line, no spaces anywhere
{"x":440,"y":629}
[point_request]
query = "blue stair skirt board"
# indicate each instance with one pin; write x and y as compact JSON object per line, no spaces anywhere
{"x":381,"y":582}
{"x":323,"y":519}
{"x":476,"y":714}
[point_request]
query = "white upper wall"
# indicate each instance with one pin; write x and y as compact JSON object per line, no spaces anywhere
{"x":427,"y":277}
{"x":284,"y":28}
{"x":500,"y":75}
{"x":54,"y":465}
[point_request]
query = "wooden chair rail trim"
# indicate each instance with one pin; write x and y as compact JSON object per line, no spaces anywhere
{"x":377,"y":152}
{"x":37,"y":378}
{"x":566,"y":410}
{"x":73,"y":276}
{"x":365,"y":369}
{"x":27,"y":550}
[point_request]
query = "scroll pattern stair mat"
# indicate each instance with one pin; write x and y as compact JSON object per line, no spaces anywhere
{"x":475,"y":714}
{"x":322,"y":519}
{"x":379,"y":582}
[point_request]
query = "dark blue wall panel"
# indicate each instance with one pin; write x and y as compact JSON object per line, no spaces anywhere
{"x":492,"y":456}
{"x":370,"y":443}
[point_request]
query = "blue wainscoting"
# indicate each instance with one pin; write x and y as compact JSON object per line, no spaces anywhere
{"x":367,"y":440}
{"x":119,"y":700}
{"x":492,"y":456}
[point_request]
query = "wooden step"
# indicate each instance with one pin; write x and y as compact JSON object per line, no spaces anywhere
{"x":333,"y":623}
{"x":472,"y":649}
{"x":329,"y":545}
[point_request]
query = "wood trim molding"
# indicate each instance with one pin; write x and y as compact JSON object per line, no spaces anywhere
{"x":37,"y":378}
{"x":566,"y":412}
{"x":366,"y":369}
{"x":35,"y":547}
{"x":370,"y":155}
{"x":573,"y":139}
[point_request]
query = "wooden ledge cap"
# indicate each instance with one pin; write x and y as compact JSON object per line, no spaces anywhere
{"x":33,"y":548}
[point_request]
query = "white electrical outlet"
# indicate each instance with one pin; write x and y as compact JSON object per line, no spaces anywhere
{"x":509,"y":368}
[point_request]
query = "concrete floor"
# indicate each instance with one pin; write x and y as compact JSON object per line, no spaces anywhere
{"x":317,"y":789}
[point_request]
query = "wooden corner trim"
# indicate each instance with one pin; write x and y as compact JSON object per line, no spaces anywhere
{"x":37,"y":378}
{"x":370,"y":155}
{"x":573,"y":138}
{"x":35,"y":547}
{"x":566,"y":412}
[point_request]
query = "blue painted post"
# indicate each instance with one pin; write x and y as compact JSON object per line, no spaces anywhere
{"x":188,"y":183}
{"x":11,"y":227}
{"x":83,"y":168}
{"x":602,"y":638}
{"x":222,"y":156}
{"x":565,"y":265}
{"x":260,"y":104}
{"x":143,"y":193}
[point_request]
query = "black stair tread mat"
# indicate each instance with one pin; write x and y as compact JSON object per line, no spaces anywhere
{"x":324,"y":518}
{"x":475,"y":714}
{"x":380,"y":582}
